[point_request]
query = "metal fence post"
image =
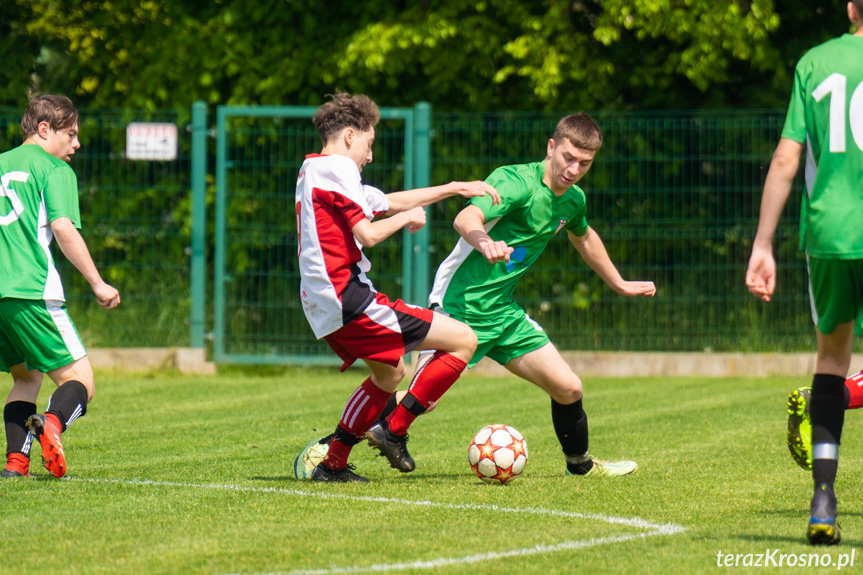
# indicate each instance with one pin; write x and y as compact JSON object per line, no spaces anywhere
{"x":199,"y":223}
{"x":422,"y":178}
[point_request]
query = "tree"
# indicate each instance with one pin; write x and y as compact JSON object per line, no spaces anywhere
{"x":480,"y":56}
{"x":20,"y":52}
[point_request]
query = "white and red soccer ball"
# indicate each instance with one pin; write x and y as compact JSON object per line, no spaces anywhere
{"x":497,"y":454}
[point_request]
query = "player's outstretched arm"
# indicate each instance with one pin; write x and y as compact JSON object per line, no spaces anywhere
{"x":370,"y":234}
{"x":422,"y":197}
{"x":593,"y":251}
{"x":469,"y":224}
{"x":73,"y":247}
{"x":761,"y":272}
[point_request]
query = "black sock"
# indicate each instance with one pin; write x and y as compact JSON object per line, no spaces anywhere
{"x":411,"y":404}
{"x":15,"y":416}
{"x":68,"y":403}
{"x":392,"y":404}
{"x":345,"y":437}
{"x":570,"y":426}
{"x":827,"y":411}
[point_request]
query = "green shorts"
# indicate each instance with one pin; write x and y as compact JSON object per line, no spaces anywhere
{"x":510,"y":335}
{"x":38,"y":333}
{"x":836,"y":293}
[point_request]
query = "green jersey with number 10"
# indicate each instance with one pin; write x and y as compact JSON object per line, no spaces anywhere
{"x":826,"y":112}
{"x":36,"y":189}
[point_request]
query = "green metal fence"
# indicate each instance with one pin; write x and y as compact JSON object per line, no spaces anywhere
{"x":674,"y":195}
{"x":258,"y":314}
{"x":136,"y":220}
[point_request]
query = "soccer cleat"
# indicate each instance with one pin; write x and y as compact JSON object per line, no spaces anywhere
{"x":393,"y":447}
{"x":799,"y":434}
{"x":608,"y":468}
{"x":17,"y":465}
{"x":311,"y":455}
{"x":46,"y":428}
{"x":324,"y":474}
{"x":823,"y":528}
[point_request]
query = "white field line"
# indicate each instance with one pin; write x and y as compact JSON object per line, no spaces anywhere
{"x":649,"y":529}
{"x":444,"y":561}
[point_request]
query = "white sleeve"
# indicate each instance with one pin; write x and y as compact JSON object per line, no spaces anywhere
{"x":376,"y":199}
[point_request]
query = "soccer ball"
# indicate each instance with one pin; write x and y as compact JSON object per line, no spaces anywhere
{"x":497,"y":454}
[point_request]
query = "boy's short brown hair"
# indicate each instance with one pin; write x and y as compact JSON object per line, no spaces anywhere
{"x":58,"y":111}
{"x":345,"y":111}
{"x":581,"y":130}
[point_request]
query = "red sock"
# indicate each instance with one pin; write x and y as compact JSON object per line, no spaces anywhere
{"x":428,"y":386}
{"x":337,"y":456}
{"x":855,"y":390}
{"x":361,"y":412}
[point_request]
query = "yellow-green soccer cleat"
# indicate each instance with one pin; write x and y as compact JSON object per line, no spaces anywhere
{"x":609,"y":468}
{"x":799,"y":434}
{"x":309,"y":458}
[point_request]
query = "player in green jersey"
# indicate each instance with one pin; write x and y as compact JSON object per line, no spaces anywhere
{"x":498,"y":245}
{"x":825,"y":119}
{"x":38,"y":203}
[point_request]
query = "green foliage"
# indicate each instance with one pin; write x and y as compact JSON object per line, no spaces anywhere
{"x":487,"y":55}
{"x":20,"y":52}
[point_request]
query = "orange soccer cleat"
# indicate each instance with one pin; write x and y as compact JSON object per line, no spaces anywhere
{"x":47,"y":428}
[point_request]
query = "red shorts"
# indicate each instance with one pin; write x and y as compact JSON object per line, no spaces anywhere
{"x":385,"y":332}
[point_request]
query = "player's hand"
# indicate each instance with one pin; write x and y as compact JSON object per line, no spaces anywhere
{"x":107,"y":296}
{"x":476,"y":189}
{"x":496,"y":251}
{"x":637,"y":288}
{"x":416,"y":219}
{"x":761,"y":274}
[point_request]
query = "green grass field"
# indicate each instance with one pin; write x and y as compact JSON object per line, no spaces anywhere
{"x":174,"y":474}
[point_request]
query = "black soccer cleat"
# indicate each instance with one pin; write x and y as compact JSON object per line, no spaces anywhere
{"x":324,"y":474}
{"x":393,"y":447}
{"x":823,"y":528}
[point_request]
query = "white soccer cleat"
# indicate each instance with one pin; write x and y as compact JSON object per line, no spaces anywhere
{"x":609,"y":468}
{"x":311,"y":455}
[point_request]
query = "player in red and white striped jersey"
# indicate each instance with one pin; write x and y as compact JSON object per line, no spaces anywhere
{"x":336,"y":220}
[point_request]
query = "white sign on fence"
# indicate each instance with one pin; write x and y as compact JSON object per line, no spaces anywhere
{"x":151,"y":141}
